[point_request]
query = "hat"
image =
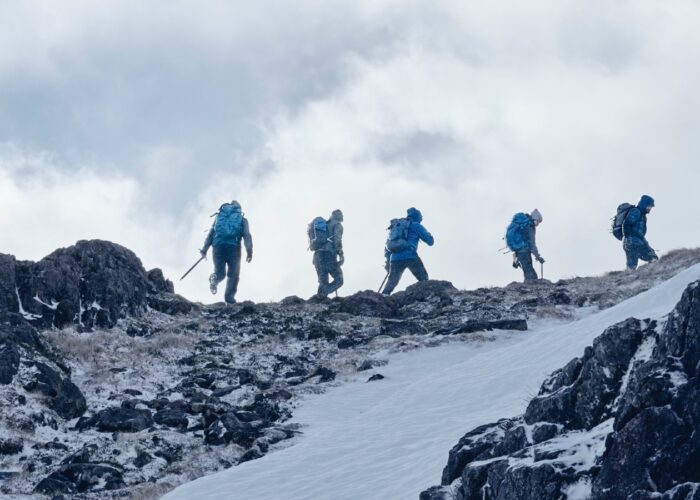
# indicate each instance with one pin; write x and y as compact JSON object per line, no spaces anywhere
{"x":536,"y":215}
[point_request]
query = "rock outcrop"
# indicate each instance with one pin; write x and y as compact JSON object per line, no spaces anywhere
{"x":621,"y":422}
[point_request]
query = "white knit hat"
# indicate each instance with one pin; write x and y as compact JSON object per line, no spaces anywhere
{"x":536,"y":215}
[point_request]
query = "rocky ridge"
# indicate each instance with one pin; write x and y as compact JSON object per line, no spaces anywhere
{"x":620,"y":422}
{"x":111,"y":385}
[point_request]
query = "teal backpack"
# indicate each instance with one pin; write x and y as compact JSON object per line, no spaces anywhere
{"x":228,"y":226}
{"x":516,"y":238}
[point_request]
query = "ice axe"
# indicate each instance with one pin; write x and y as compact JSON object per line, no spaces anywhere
{"x":191,"y":268}
{"x":382,"y":285}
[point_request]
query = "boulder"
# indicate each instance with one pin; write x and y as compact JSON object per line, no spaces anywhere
{"x":63,"y":396}
{"x":157,"y":282}
{"x":424,"y":290}
{"x":81,"y":478}
{"x":123,"y":420}
{"x":368,"y":303}
{"x":94,"y":283}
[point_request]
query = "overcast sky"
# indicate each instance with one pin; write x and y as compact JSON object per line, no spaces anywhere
{"x":132,"y":121}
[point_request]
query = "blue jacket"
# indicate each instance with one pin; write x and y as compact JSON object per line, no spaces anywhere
{"x":635,"y":225}
{"x":416,"y":233}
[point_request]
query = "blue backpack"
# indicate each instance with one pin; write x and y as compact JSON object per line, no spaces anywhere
{"x":229,"y":224}
{"x":317,"y":232}
{"x":516,"y":238}
{"x":398,"y":235}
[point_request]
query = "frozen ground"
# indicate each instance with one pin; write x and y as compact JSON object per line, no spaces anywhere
{"x":389,"y":439}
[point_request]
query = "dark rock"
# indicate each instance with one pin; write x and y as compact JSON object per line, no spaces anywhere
{"x":170,"y":303}
{"x":292,"y":300}
{"x":321,"y":331}
{"x":9,"y":362}
{"x":584,"y":402}
{"x":123,"y":420}
{"x":346,"y":343}
{"x":559,"y":297}
{"x":366,"y":365}
{"x":11,"y":446}
{"x":157,"y":282}
{"x":436,"y":493}
{"x":8,"y":295}
{"x":326,"y":374}
{"x":224,"y":391}
{"x":252,"y":454}
{"x":133,"y":392}
{"x":376,"y":376}
{"x":642,"y":454}
{"x":398,"y":328}
{"x":544,"y":432}
{"x":81,"y":478}
{"x":369,"y":303}
{"x":267,"y":409}
{"x":472,"y":326}
{"x":473,"y":445}
{"x":64,"y":397}
{"x":142,"y":459}
{"x":94,"y":283}
{"x":171,"y":418}
{"x":424,"y":290}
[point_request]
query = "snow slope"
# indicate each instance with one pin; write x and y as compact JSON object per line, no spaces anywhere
{"x":389,"y":439}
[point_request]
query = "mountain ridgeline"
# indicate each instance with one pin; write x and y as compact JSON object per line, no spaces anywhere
{"x":113,"y":386}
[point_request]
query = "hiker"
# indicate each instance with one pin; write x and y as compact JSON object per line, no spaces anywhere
{"x":326,"y":241}
{"x":230,"y":227}
{"x":520,"y":239}
{"x":401,"y":251}
{"x":634,"y":230}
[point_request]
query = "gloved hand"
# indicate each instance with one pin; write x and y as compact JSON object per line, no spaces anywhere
{"x":249,"y":257}
{"x":341,"y":258}
{"x":516,"y":264}
{"x":387,"y":266}
{"x":540,"y":260}
{"x":203,"y":253}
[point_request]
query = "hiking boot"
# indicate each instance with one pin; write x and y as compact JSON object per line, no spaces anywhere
{"x":213,"y":284}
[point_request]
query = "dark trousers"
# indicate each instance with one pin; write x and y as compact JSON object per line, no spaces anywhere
{"x":326,"y":264}
{"x":636,"y":250}
{"x":525,"y":261}
{"x":396,"y":271}
{"x":227,"y":263}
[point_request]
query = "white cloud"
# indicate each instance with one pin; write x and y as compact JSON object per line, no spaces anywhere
{"x":470,"y":112}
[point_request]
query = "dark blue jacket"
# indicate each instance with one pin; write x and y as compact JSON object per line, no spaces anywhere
{"x":635,"y":225}
{"x":416,"y":233}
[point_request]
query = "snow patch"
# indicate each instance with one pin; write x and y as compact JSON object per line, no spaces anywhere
{"x":580,"y":490}
{"x":643,"y":354}
{"x":53,"y":305}
{"x":28,"y":316}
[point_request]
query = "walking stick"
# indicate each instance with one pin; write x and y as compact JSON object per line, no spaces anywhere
{"x":191,"y":268}
{"x":541,"y":270}
{"x":382,"y":285}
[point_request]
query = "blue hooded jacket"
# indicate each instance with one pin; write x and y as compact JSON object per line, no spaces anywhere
{"x":635,"y":225}
{"x":416,"y":233}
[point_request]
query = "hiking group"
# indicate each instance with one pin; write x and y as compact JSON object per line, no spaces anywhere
{"x":325,"y":236}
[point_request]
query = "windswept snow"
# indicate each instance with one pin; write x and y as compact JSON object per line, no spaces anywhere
{"x":389,"y":439}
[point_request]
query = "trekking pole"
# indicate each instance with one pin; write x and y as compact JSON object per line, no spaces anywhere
{"x":541,"y":270}
{"x":191,"y":268}
{"x":382,"y":285}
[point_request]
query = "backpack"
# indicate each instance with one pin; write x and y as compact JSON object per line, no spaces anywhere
{"x":398,"y":235}
{"x":619,"y":220}
{"x":317,"y":231}
{"x":515,"y":233}
{"x":229,"y":223}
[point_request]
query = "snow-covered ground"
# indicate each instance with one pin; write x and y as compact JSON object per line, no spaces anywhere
{"x":389,"y":439}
